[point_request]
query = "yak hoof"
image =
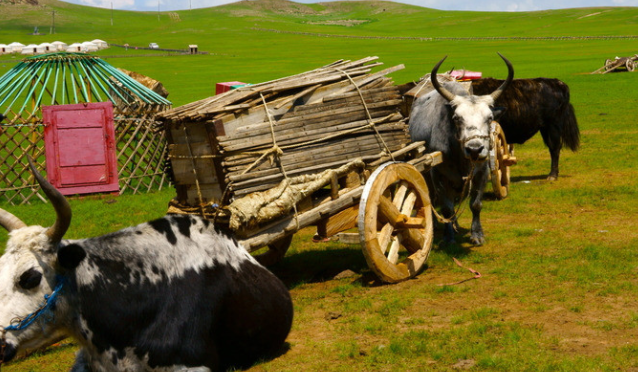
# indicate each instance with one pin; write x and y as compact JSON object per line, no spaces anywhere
{"x":552,"y":177}
{"x":448,"y":240}
{"x":477,"y":240}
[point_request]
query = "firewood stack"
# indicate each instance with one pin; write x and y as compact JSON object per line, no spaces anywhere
{"x":251,"y":138}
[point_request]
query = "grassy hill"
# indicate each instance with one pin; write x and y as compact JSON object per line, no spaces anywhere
{"x":255,"y":41}
{"x":560,"y":277}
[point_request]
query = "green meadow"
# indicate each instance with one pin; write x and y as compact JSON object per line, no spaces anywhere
{"x":559,"y":283}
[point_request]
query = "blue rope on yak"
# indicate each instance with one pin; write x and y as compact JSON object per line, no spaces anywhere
{"x":49,"y":302}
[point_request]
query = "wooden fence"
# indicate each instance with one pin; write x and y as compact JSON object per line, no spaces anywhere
{"x":141,"y":155}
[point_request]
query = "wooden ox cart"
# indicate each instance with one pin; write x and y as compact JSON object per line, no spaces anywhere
{"x":618,"y":64}
{"x":628,"y":63}
{"x":327,"y":148}
{"x":501,"y":155}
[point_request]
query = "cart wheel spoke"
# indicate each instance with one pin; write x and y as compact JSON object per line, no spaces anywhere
{"x":389,"y":213}
{"x":393,"y":254}
{"x":408,"y":203}
{"x":384,"y":237}
{"x":396,"y":232}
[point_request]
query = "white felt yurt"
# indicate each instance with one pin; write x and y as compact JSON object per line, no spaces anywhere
{"x":101,"y":44}
{"x":15,"y":47}
{"x":46,"y":48}
{"x":74,"y":48}
{"x":29,"y":50}
{"x":60,"y":46}
{"x":89,"y":47}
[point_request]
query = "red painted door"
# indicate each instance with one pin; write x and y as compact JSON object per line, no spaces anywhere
{"x":80,"y":148}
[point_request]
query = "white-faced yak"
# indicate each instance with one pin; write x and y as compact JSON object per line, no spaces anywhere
{"x":168,"y":295}
{"x":457,"y":123}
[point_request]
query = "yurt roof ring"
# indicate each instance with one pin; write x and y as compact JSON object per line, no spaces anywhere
{"x":69,"y":78}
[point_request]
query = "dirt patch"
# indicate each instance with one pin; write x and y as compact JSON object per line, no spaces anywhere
{"x":256,"y":7}
{"x":340,"y":22}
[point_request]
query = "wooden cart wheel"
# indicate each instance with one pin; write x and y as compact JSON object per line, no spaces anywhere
{"x":395,"y":222}
{"x":499,"y":164}
{"x":608,"y":64}
{"x":630,"y":65}
{"x":276,"y":251}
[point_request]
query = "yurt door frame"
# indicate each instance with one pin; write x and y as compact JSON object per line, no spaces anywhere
{"x":80,"y":148}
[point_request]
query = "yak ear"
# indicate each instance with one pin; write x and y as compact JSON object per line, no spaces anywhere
{"x":70,"y":256}
{"x":498,"y":112}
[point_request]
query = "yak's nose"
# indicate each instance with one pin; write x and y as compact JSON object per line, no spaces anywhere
{"x":474,"y":151}
{"x":7,"y":352}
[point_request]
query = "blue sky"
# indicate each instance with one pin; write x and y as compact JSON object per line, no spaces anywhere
{"x":485,"y":5}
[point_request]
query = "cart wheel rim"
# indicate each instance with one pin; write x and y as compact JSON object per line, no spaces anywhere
{"x":500,"y":173}
{"x":395,"y":251}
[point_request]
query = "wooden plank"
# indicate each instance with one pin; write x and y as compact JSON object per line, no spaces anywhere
{"x":210,"y":192}
{"x":322,"y":124}
{"x":296,"y":96}
{"x":217,"y":161}
{"x":257,"y":114}
{"x":341,"y":149}
{"x":308,"y":218}
{"x":353,"y":126}
{"x":338,"y":149}
{"x":319,"y":111}
{"x":342,"y":221}
{"x":265,"y":140}
{"x":184,"y":175}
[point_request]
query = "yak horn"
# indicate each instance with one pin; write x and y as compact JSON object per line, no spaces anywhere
{"x":510,"y":76}
{"x":61,"y":205}
{"x":435,"y":83}
{"x":10,"y":222}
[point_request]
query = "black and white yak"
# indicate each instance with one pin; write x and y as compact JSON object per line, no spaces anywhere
{"x":457,"y":123}
{"x":533,"y":105}
{"x":168,"y":295}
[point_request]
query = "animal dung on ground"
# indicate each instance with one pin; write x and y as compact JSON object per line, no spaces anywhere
{"x":251,"y":138}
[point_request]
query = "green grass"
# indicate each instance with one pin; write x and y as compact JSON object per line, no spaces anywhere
{"x":559,"y":266}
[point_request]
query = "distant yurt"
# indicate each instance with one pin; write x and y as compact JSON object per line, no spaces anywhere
{"x":101,"y":44}
{"x":46,"y":48}
{"x":55,"y":82}
{"x":59,"y":46}
{"x":89,"y":47}
{"x":74,"y":48}
{"x":30,"y":49}
{"x":15,"y":47}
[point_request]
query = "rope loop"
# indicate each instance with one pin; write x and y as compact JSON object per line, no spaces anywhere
{"x":50,"y":300}
{"x":278,"y":152}
{"x":467,"y":185}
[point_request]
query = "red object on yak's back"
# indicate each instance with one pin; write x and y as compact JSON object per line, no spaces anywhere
{"x":225,"y":87}
{"x":80,"y":148}
{"x":463,"y":75}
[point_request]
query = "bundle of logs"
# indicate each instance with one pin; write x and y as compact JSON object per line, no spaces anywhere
{"x":251,"y":138}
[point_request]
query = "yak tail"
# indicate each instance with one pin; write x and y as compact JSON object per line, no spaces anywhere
{"x":571,"y":134}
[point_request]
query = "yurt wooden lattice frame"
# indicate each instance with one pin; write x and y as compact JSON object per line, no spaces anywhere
{"x":66,"y":78}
